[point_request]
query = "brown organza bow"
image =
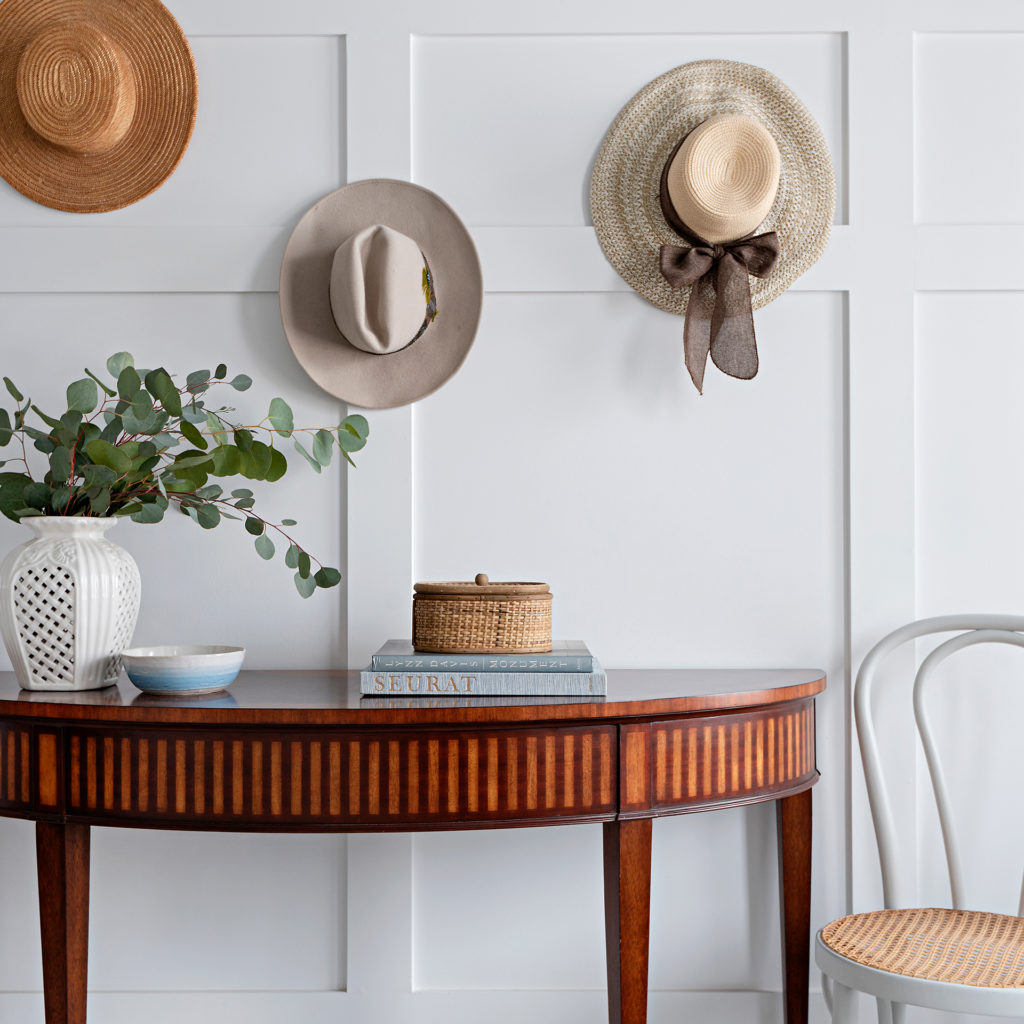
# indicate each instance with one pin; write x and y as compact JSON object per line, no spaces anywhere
{"x":719,"y":318}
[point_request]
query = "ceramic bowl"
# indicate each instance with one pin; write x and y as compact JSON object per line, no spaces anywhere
{"x":183,"y":669}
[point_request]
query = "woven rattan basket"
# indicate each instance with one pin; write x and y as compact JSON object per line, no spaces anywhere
{"x":481,"y":617}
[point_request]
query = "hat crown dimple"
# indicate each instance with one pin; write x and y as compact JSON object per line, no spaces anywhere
{"x":376,"y":290}
{"x":76,"y":87}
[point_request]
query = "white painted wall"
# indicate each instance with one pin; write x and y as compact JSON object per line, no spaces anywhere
{"x":866,"y":475}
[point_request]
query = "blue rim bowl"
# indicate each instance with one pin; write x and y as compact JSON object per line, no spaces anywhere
{"x":183,"y":669}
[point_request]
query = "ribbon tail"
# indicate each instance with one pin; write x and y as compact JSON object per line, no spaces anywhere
{"x":733,"y":344}
{"x":697,"y":335}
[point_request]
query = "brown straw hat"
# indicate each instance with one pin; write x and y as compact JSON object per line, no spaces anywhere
{"x":97,"y":100}
{"x":693,"y":165}
{"x":381,"y":292}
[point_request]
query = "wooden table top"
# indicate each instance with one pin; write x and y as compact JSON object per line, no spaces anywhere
{"x":320,"y":697}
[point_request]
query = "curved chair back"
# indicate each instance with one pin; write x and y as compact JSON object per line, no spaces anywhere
{"x":973,"y":629}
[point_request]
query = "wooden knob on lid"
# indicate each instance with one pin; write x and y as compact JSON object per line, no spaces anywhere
{"x":481,"y":579}
{"x":76,"y":87}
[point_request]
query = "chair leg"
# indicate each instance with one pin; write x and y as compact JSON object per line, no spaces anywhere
{"x":844,"y":1004}
{"x":826,"y":991}
{"x":884,"y":1011}
{"x":899,"y":1013}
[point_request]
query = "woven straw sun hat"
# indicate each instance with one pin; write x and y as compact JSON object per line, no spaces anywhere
{"x":380,"y":292}
{"x":734,"y":151}
{"x":97,"y":100}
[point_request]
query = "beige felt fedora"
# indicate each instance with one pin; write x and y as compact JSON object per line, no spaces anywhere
{"x":380,"y":292}
{"x":97,"y":100}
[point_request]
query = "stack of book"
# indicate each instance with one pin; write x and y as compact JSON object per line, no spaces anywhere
{"x":569,"y":670}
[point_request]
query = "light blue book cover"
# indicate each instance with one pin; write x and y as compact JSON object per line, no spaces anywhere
{"x":565,"y":656}
{"x":460,"y":683}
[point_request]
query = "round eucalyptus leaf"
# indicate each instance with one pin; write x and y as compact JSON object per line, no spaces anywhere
{"x":278,"y":465}
{"x":304,"y":585}
{"x":128,"y":383}
{"x":103,"y":453}
{"x":151,"y":513}
{"x":83,"y":395}
{"x":117,"y":363}
{"x":327,"y":577}
{"x":208,"y":516}
{"x":280,"y":416}
{"x":357,"y":425}
{"x":60,"y":465}
{"x":323,"y":447}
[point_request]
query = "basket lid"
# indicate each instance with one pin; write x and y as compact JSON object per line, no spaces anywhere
{"x":481,"y":586}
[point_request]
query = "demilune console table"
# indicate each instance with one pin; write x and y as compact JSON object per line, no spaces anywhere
{"x":301,"y":752}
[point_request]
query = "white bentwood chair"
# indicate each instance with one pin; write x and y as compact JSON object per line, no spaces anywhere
{"x":958,"y":960}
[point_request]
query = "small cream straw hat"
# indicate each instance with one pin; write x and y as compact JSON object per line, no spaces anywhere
{"x":97,"y":100}
{"x":380,"y":292}
{"x":712,"y":192}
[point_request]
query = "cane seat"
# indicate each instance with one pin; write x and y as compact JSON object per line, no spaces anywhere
{"x":962,"y":947}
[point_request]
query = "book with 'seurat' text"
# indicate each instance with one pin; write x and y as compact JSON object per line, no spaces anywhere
{"x":565,"y":656}
{"x":462,"y":683}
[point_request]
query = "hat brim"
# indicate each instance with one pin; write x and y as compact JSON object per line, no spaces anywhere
{"x":362,"y":378}
{"x":624,"y":188}
{"x":165,"y":113}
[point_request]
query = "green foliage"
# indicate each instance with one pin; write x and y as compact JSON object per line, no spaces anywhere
{"x":83,"y":396}
{"x":281,"y":417}
{"x":141,"y":442}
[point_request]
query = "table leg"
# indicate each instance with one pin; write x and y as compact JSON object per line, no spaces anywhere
{"x":793,"y":820}
{"x":627,"y":916}
{"x":62,"y":856}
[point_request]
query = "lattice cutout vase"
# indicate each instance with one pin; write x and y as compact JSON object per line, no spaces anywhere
{"x":69,"y":599}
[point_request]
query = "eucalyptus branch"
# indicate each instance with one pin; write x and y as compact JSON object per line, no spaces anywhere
{"x":113,"y":453}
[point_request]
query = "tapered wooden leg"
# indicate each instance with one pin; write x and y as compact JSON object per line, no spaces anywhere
{"x":62,"y":856}
{"x":627,"y":916}
{"x":793,"y":818}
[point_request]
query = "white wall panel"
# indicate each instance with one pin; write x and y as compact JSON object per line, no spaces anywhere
{"x":188,"y":911}
{"x":672,"y":528}
{"x":20,"y":966}
{"x":507,"y":127}
{"x":968,"y":152}
{"x":970,"y":359}
{"x":519,"y":912}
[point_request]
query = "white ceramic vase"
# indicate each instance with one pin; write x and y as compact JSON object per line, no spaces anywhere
{"x":69,"y":599}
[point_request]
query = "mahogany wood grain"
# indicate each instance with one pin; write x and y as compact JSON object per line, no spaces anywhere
{"x":627,"y":916}
{"x":301,"y":752}
{"x":793,"y":820}
{"x":62,"y":855}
